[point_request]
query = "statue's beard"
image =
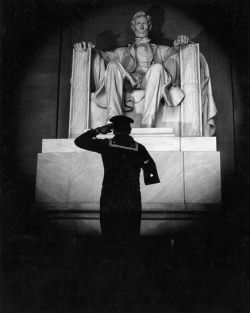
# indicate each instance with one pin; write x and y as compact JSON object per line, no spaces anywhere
{"x":141,"y":35}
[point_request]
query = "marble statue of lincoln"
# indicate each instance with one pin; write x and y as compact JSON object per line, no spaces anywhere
{"x":141,"y":65}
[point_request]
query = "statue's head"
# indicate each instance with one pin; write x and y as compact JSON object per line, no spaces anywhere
{"x":141,"y":24}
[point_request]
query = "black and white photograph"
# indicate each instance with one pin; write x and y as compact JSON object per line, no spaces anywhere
{"x":125,"y":162}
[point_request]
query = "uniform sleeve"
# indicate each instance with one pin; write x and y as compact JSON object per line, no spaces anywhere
{"x":88,"y":141}
{"x":149,"y":168}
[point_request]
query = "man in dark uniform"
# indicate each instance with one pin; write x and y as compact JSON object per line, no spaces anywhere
{"x":123,"y":158}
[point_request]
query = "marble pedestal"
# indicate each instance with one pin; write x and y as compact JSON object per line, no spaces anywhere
{"x":68,"y":182}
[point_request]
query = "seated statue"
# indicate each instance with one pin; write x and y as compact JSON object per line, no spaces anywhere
{"x":141,"y":65}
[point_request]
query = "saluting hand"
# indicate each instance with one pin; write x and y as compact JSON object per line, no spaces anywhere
{"x":104,"y":129}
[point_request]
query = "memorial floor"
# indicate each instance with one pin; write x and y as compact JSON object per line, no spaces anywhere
{"x":195,"y":272}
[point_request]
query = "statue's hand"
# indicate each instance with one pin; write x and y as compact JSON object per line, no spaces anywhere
{"x":181,"y":40}
{"x":83,"y":46}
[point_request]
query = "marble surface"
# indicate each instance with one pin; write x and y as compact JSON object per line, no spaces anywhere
{"x":85,"y":113}
{"x":159,"y":143}
{"x":152,"y":131}
{"x":191,"y":111}
{"x":76,"y":177}
{"x":171,"y":114}
{"x":198,"y":144}
{"x":85,"y":177}
{"x":59,"y":145}
{"x":97,"y":115}
{"x":52,"y":178}
{"x":153,"y":141}
{"x":69,"y":183}
{"x":152,"y":144}
{"x":80,"y":92}
{"x":202,"y":177}
{"x":170,"y":171}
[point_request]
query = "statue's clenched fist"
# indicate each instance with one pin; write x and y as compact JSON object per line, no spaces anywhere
{"x":181,"y":40}
{"x":83,"y":46}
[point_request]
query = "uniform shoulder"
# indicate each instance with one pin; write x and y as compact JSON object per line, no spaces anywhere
{"x":140,"y":146}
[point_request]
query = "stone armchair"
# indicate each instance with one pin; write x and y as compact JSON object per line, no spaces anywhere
{"x":194,"y":117}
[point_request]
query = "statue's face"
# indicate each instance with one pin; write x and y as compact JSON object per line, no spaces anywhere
{"x":141,"y":27}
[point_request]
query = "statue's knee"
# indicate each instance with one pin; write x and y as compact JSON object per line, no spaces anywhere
{"x":157,"y":67}
{"x":113,"y":66}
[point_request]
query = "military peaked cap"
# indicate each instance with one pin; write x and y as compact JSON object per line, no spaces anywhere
{"x":121,"y":120}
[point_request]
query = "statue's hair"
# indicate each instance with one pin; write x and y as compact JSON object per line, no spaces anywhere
{"x":139,"y":14}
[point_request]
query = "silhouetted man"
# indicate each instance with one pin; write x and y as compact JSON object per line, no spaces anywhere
{"x":123,"y":158}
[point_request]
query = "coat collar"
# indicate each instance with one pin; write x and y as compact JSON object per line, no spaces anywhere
{"x":124,"y":142}
{"x":142,"y":40}
{"x":152,"y":49}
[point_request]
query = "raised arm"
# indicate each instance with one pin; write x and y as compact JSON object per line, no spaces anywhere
{"x":88,"y":140}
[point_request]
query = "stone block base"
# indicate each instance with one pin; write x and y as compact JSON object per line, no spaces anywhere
{"x":69,"y":182}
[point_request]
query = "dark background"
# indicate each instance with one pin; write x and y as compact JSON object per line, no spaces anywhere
{"x":37,"y":40}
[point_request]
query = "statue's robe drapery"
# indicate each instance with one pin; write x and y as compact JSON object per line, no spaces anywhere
{"x":126,"y":56}
{"x":169,"y":58}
